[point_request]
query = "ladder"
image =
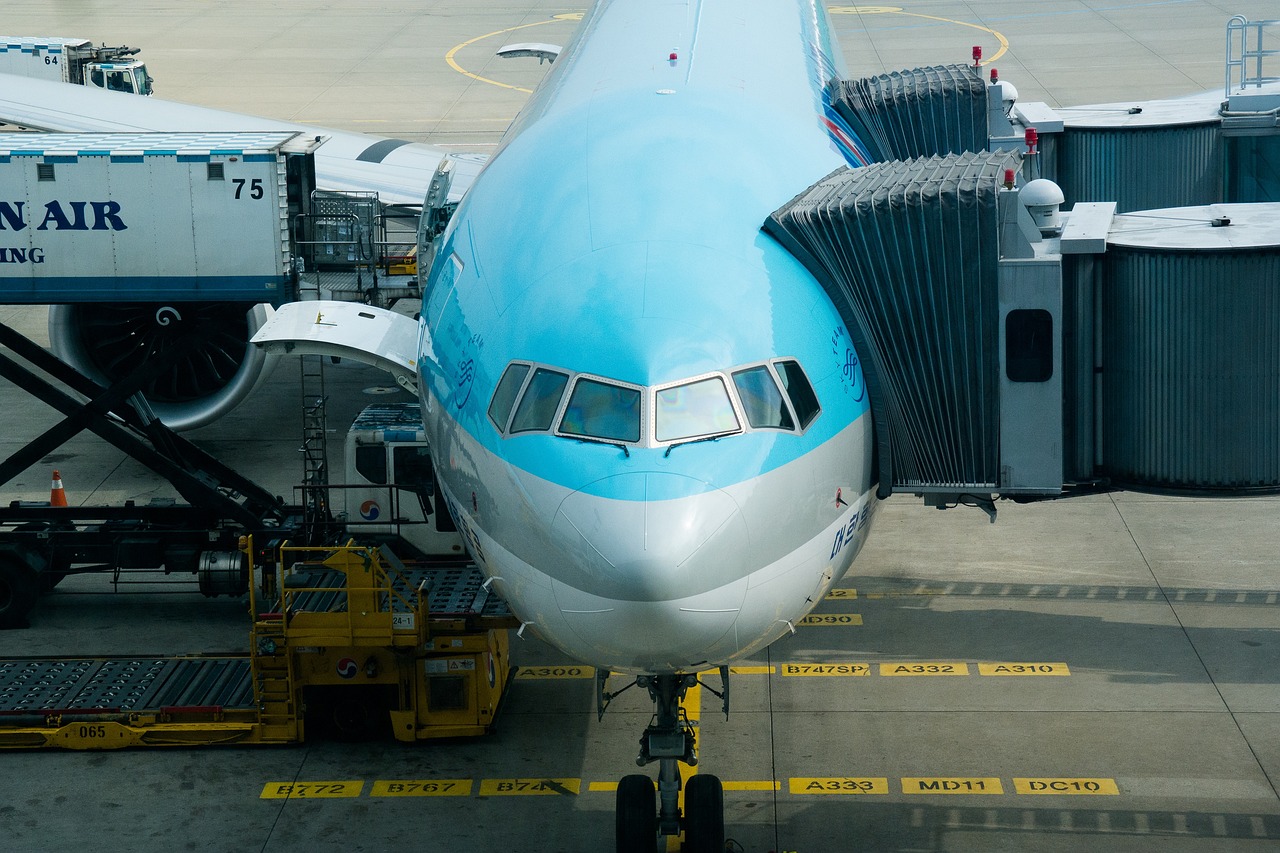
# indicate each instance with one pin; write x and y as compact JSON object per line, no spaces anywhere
{"x":1245,"y":54}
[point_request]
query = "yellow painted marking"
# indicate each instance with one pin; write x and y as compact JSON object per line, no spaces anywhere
{"x":421,"y":788}
{"x":897,"y":10}
{"x":753,"y":786}
{"x":928,"y":668}
{"x":952,"y":785}
{"x":826,"y":669}
{"x":843,"y":594}
{"x":602,"y":787}
{"x":311,"y":790}
{"x":839,"y":785}
{"x":1067,"y":786}
{"x":449,"y":57}
{"x":1023,"y":669}
{"x":529,"y":787}
{"x":532,"y":673}
{"x":692,"y":705}
{"x":838,"y":620}
{"x":752,"y":670}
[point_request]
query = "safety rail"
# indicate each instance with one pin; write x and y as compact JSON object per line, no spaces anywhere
{"x":343,"y":595}
{"x":1244,"y":54}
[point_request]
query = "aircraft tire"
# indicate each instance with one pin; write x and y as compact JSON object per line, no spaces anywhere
{"x":704,"y":815}
{"x":637,"y":815}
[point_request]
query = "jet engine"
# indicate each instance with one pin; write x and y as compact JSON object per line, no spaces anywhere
{"x":107,"y":342}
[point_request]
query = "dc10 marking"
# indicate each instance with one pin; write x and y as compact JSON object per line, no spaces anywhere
{"x":311,"y":790}
{"x":929,"y":668}
{"x":1023,"y":669}
{"x":421,"y":788}
{"x":530,"y":787}
{"x":838,"y":785}
{"x":842,"y":620}
{"x":531,"y":673}
{"x":1068,"y":786}
{"x":826,"y":669}
{"x":952,"y":785}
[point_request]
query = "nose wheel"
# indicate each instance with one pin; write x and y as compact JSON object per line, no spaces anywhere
{"x":643,"y":813}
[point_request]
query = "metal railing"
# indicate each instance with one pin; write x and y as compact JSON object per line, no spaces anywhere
{"x":1246,"y":54}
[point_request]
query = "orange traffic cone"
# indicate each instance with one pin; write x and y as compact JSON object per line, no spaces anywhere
{"x":57,"y":496}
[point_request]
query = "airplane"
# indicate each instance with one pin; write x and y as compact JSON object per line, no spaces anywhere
{"x":646,"y":416}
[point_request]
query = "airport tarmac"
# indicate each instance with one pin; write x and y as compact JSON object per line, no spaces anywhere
{"x":1100,"y":673}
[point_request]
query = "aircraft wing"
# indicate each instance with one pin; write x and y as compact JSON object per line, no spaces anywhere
{"x":399,"y":171}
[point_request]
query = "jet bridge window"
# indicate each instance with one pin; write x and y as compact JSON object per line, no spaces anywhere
{"x":796,"y":384}
{"x":603,"y":410}
{"x":695,"y":409}
{"x":762,"y":399}
{"x":537,"y":409}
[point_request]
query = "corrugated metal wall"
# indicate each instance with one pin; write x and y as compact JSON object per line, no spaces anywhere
{"x":1191,"y":369}
{"x":1141,"y":168}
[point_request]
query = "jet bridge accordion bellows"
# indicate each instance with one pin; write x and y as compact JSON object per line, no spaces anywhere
{"x":908,"y":252}
{"x":918,"y":113}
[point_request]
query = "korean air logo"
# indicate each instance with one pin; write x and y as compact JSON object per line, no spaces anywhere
{"x":347,"y":668}
{"x":369,"y":510}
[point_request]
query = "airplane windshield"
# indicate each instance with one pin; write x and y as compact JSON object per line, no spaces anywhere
{"x":602,"y":410}
{"x":771,"y":395}
{"x":694,"y":409}
{"x":537,"y":408}
{"x":762,"y":400}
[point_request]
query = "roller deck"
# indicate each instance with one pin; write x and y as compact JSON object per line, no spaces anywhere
{"x":426,"y":646}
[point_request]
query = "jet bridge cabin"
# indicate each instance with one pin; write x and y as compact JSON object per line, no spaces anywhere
{"x":1012,"y":349}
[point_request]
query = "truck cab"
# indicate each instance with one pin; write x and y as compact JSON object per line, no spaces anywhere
{"x":390,"y":486}
{"x":130,"y":76}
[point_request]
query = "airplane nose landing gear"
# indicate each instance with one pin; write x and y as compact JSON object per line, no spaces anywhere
{"x":669,"y":739}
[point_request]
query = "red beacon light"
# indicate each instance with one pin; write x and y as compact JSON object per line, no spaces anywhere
{"x":1008,"y":179}
{"x":673,"y":57}
{"x":977,"y":55}
{"x":995,"y":75}
{"x":1032,"y":139}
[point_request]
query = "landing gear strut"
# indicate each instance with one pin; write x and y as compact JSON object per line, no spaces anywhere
{"x":669,"y":739}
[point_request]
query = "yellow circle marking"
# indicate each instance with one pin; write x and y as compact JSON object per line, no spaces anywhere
{"x":453,"y":63}
{"x":897,"y":10}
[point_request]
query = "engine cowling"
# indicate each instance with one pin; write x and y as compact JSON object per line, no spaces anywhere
{"x":106,"y":342}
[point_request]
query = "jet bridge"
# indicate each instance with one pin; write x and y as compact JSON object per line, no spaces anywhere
{"x":1013,"y":356}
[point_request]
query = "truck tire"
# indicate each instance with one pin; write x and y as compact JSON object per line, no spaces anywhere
{"x":19,"y":588}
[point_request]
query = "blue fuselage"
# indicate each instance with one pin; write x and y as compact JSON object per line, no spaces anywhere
{"x":646,"y":415}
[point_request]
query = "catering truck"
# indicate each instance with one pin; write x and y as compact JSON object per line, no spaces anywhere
{"x":72,"y":60}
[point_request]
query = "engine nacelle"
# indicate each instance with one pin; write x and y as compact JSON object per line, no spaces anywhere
{"x":106,"y":342}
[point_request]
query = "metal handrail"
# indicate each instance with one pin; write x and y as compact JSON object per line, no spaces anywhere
{"x":1239,"y":29}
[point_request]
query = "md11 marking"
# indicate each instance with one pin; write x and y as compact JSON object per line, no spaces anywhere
{"x":952,"y":785}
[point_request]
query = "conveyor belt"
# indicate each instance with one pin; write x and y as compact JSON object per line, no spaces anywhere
{"x":454,"y":592}
{"x":124,"y":684}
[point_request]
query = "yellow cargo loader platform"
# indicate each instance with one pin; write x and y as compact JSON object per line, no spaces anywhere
{"x":352,"y":643}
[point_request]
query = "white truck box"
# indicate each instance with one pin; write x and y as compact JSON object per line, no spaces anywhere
{"x":144,"y":217}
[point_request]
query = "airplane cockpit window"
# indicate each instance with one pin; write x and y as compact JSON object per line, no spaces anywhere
{"x":797,"y":386}
{"x":505,"y":397}
{"x":603,"y":410}
{"x":762,"y":399}
{"x":694,"y":410}
{"x":764,"y":396}
{"x":537,"y":409}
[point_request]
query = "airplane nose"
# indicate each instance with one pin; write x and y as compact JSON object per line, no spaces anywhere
{"x":636,"y":548}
